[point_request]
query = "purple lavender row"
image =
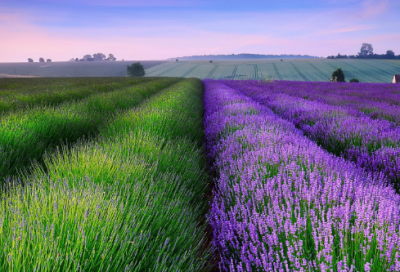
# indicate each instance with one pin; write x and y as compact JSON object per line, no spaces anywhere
{"x":378,"y":101}
{"x":372,"y":143}
{"x":282,"y":203}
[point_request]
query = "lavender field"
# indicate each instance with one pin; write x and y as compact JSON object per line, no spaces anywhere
{"x":305,"y":175}
{"x":172,"y":174}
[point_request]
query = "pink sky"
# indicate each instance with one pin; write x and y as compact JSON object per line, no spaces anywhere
{"x":61,"y":34}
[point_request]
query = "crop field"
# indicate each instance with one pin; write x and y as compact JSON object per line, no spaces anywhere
{"x":372,"y":71}
{"x":70,"y":69}
{"x":113,"y":181}
{"x":178,"y":174}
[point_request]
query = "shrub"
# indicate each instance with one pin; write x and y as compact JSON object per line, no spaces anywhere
{"x":354,"y":80}
{"x":135,"y":70}
{"x":338,"y":76}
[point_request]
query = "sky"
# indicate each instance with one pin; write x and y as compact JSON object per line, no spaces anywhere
{"x":157,"y":30}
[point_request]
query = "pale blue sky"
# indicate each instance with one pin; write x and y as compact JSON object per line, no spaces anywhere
{"x":154,"y":29}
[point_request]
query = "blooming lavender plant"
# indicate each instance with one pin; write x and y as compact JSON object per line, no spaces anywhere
{"x":282,"y":203}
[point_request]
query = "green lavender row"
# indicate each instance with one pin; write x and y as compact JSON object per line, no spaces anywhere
{"x":132,"y":200}
{"x":26,"y":135}
{"x":27,"y":93}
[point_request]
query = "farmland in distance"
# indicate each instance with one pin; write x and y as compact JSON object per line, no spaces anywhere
{"x":373,"y":71}
{"x":70,"y":68}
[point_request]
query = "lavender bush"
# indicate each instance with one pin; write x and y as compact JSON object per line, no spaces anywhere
{"x":282,"y":203}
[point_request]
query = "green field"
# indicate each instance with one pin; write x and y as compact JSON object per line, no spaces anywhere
{"x":378,"y":71}
{"x":70,"y":69}
{"x":107,"y":175}
{"x":374,"y":71}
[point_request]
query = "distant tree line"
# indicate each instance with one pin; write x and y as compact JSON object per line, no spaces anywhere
{"x":367,"y":52}
{"x":96,"y":57}
{"x":241,"y":56}
{"x":40,"y":60}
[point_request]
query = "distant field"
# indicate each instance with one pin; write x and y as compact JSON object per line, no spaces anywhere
{"x":70,"y":69}
{"x":378,"y":71}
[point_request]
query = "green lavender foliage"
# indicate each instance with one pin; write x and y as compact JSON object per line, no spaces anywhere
{"x":130,"y":200}
{"x":26,"y":135}
{"x":23,"y":93}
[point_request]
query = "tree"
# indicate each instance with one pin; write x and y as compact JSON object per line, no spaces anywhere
{"x":111,"y":57}
{"x":366,"y":50}
{"x":355,"y":80}
{"x":41,"y":60}
{"x":99,"y":56}
{"x":176,"y":59}
{"x":338,"y":76}
{"x":390,"y":54}
{"x":77,"y":59}
{"x":210,"y":61}
{"x":135,"y":70}
{"x":30,"y":60}
{"x":48,"y":60}
{"x":87,"y":57}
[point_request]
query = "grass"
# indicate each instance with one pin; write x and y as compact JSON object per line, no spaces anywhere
{"x":16,"y":94}
{"x":130,"y":200}
{"x":26,"y":135}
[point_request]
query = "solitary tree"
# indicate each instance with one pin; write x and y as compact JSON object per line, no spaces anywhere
{"x":176,"y":60}
{"x":338,"y":76}
{"x":30,"y":60}
{"x":41,"y":60}
{"x":48,"y":60}
{"x":366,"y":50}
{"x":210,"y":61}
{"x":135,"y":70}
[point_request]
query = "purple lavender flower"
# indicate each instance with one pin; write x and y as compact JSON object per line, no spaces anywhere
{"x":282,"y":203}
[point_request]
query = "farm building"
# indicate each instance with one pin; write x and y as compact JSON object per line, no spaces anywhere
{"x":396,"y":79}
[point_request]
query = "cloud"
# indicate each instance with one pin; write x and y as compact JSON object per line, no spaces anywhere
{"x":347,"y":29}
